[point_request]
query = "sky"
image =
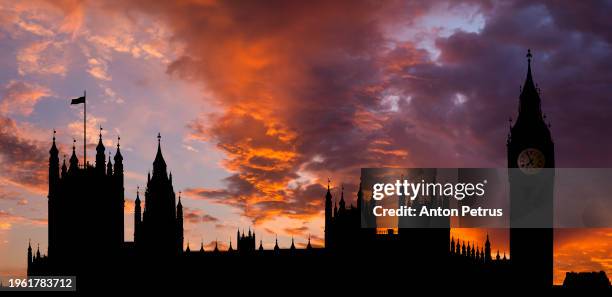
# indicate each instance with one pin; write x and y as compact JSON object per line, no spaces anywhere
{"x":259,"y":102}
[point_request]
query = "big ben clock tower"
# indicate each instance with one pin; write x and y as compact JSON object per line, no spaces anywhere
{"x":531,"y":162}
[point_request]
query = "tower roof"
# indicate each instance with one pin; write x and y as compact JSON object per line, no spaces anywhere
{"x":159,"y":158}
{"x":74,"y":161}
{"x":53,"y":151}
{"x":529,"y":103}
{"x":159,"y":164}
{"x":100,"y":148}
{"x":138,"y":194}
{"x":118,"y":156}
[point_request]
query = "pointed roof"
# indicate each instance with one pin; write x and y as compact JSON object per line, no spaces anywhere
{"x":529,"y":102}
{"x":230,"y":247}
{"x":53,"y":151}
{"x":261,"y":245}
{"x":216,"y":247}
{"x":100,"y":148}
{"x":137,"y":194}
{"x":202,"y":246}
{"x":328,"y":195}
{"x":159,"y":161}
{"x":309,"y":246}
{"x":188,"y":249}
{"x":292,"y":244}
{"x":118,"y":156}
{"x":74,"y":161}
{"x":276,"y":248}
{"x":109,"y":165}
{"x":64,"y":168}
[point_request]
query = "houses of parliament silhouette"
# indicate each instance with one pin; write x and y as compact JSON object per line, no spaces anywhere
{"x":86,"y":231}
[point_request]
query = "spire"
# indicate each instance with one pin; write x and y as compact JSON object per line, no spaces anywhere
{"x":100,"y":156}
{"x":292,"y":244}
{"x":118,"y":156}
{"x":74,"y":161}
{"x":179,"y":208}
{"x":230,"y":247}
{"x":53,"y":151}
{"x":202,"y":246}
{"x":529,"y":102}
{"x":342,"y":202}
{"x":276,"y":248}
{"x":100,"y":144}
{"x":216,"y":250}
{"x":138,"y":195}
{"x":109,"y":165}
{"x":159,"y":165}
{"x":261,"y":246}
{"x":64,"y":168}
{"x":308,"y":247}
{"x":38,"y":251}
{"x":188,"y":249}
{"x":335,"y":208}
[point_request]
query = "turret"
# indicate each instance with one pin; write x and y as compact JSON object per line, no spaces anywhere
{"x":328,"y":215}
{"x":53,"y":168}
{"x":487,"y":256}
{"x":64,"y":167}
{"x":159,"y":164}
{"x":137,"y":217}
{"x":342,"y":202}
{"x":452,"y":245}
{"x":179,"y":224}
{"x":100,"y":155}
{"x":109,"y":166}
{"x":118,"y":160}
{"x":276,"y":248}
{"x":29,"y":254}
{"x":74,"y":161}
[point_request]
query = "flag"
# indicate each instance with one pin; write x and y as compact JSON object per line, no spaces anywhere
{"x":78,"y":100}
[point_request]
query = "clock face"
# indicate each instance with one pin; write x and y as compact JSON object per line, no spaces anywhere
{"x":531,"y":161}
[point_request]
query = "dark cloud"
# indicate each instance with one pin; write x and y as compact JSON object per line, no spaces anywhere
{"x":23,"y":160}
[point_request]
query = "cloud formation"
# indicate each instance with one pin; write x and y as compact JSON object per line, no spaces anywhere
{"x":20,"y":97}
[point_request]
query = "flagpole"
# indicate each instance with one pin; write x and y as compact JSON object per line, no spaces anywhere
{"x":85,"y":129}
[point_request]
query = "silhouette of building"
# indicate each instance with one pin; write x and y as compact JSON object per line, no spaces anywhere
{"x":86,"y":206}
{"x":586,"y":280}
{"x":159,"y":230}
{"x":530,"y":149}
{"x":85,"y":209}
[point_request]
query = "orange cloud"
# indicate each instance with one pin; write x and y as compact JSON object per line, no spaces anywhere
{"x":21,"y":97}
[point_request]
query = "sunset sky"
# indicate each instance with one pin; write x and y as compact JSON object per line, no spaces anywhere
{"x":258,"y":102}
